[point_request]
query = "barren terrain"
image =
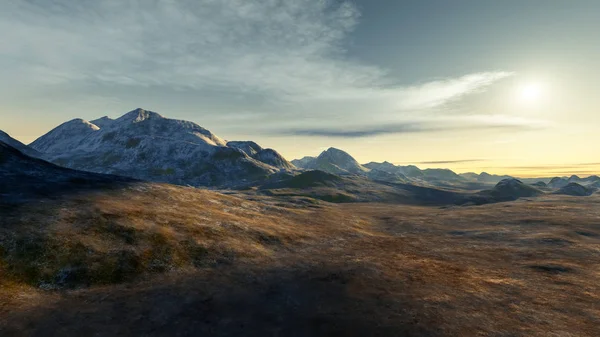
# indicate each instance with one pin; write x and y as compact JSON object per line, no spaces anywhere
{"x":157,"y":260}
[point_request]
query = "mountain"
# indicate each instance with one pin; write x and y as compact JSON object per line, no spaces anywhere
{"x":69,"y":136}
{"x":587,"y":180}
{"x":558,"y":182}
{"x":145,"y":145}
{"x":540,"y":184}
{"x":249,"y":147}
{"x":385,"y":166}
{"x":484,"y":177}
{"x":512,"y":189}
{"x":376,"y":174}
{"x":273,"y":158}
{"x":268,"y":156}
{"x":304,"y":162}
{"x":8,"y":140}
{"x":470,"y":176}
{"x":441,"y":174}
{"x":575,"y":189}
{"x":103,"y":122}
{"x":409,"y":171}
{"x":333,"y":161}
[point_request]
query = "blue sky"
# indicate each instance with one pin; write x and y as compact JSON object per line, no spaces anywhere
{"x":438,"y":79}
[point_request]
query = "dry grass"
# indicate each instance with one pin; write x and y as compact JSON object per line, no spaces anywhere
{"x":214,"y":264}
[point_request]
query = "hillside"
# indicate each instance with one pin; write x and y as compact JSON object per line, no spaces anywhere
{"x":7,"y":139}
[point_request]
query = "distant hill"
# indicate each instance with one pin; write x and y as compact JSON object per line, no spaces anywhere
{"x":441,"y":174}
{"x":484,"y":177}
{"x":333,"y":161}
{"x":512,"y":189}
{"x":409,"y":171}
{"x":145,"y":145}
{"x":558,"y":182}
{"x":587,"y":180}
{"x":575,"y":189}
{"x":540,"y":184}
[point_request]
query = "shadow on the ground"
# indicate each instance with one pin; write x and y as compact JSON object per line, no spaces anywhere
{"x":321,"y":301}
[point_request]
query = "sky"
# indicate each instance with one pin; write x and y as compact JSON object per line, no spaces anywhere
{"x":505,"y":86}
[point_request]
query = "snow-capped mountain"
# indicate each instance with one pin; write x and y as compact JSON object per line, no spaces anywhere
{"x":333,"y":161}
{"x":8,"y":140}
{"x":145,"y":145}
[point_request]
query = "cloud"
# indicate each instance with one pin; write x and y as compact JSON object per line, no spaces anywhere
{"x":463,"y":123}
{"x":290,"y":51}
{"x":452,"y":161}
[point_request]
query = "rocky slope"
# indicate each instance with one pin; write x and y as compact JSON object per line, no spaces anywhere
{"x":145,"y":145}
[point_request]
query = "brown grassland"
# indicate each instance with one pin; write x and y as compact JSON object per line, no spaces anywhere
{"x":159,"y":260}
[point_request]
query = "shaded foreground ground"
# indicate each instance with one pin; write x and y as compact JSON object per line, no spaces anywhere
{"x":292,"y":267}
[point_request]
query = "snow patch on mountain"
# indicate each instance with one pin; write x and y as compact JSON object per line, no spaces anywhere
{"x":103,"y":122}
{"x":249,"y":147}
{"x":66,"y":137}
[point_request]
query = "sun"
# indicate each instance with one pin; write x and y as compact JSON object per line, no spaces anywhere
{"x":531,"y":92}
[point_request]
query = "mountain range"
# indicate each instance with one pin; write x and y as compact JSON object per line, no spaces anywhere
{"x":144,"y":145}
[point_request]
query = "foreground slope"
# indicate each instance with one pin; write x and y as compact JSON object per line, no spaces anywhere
{"x":145,"y":145}
{"x":24,"y":178}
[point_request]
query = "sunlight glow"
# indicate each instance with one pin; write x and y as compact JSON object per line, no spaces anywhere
{"x":531,"y":92}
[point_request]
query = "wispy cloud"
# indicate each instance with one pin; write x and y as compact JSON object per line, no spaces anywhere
{"x":285,"y":50}
{"x":466,"y":123}
{"x":451,"y":161}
